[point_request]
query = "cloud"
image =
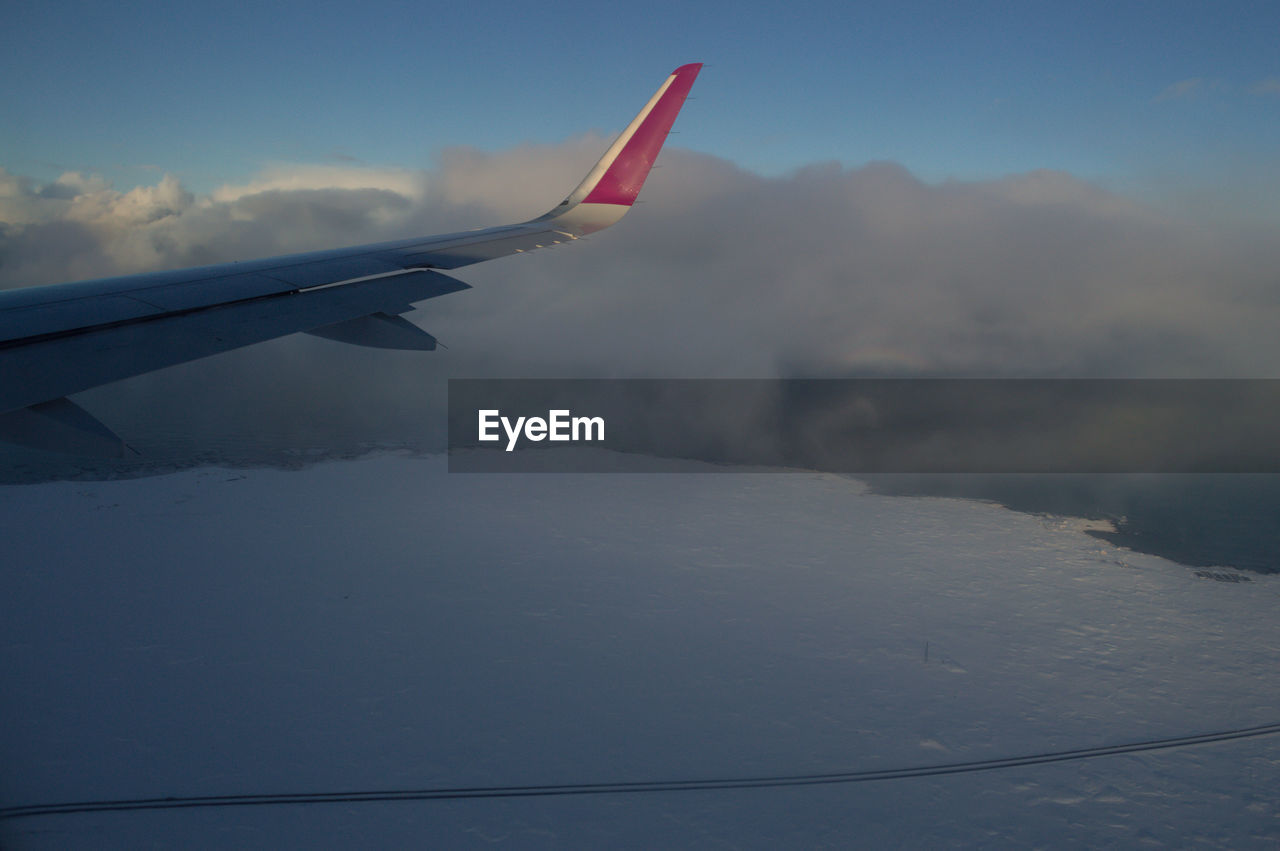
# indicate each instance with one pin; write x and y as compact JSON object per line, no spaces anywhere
{"x":292,"y":178}
{"x":1268,"y":86}
{"x":719,"y":272}
{"x":1183,"y":89}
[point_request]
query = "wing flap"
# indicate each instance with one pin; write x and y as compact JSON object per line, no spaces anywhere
{"x":326,"y":272}
{"x":70,"y":364}
{"x":60,"y":425}
{"x":379,"y":331}
{"x":42,"y":319}
{"x":193,"y":295}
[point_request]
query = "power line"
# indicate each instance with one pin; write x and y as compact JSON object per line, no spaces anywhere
{"x":551,"y":790}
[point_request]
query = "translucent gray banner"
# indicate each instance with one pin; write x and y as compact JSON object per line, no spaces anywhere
{"x":868,"y":425}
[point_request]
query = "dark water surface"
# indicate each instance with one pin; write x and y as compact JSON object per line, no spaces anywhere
{"x":1201,"y":519}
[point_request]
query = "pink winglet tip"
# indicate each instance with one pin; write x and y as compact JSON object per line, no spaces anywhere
{"x":621,"y":183}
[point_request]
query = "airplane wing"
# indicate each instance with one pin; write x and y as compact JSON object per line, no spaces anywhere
{"x":65,"y":338}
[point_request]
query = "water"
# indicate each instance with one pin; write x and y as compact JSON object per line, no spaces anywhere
{"x":1202,"y":520}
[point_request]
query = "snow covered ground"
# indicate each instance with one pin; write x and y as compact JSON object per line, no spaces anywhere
{"x":381,"y":624}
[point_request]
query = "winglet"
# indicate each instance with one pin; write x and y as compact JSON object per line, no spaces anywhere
{"x":611,"y":187}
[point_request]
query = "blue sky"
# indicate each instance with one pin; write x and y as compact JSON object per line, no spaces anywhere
{"x":212,"y":93}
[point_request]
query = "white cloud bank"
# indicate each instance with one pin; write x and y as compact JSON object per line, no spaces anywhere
{"x":718,"y":272}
